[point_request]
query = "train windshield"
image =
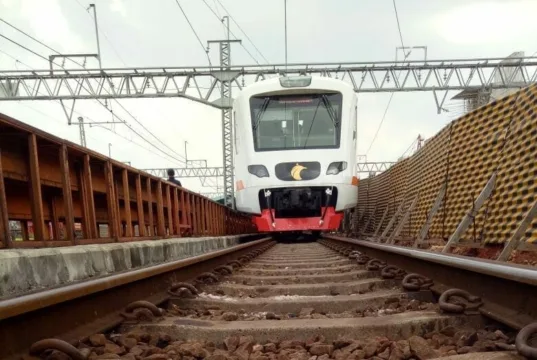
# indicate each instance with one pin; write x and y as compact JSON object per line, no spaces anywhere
{"x":310,"y":121}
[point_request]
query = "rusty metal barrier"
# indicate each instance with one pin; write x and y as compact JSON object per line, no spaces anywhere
{"x":56,"y":193}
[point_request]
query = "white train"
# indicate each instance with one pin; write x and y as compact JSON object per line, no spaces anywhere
{"x":295,"y":153}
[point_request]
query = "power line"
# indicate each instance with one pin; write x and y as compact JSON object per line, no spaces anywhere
{"x":57,"y":52}
{"x":380,"y":125}
{"x":104,"y":33}
{"x":398,"y":24}
{"x":392,"y":94}
{"x":231,"y":32}
{"x":238,"y":26}
{"x":114,"y":115}
{"x":121,"y":105}
{"x":24,"y":47}
{"x":194,"y":31}
{"x":109,"y":42}
{"x":93,"y":121}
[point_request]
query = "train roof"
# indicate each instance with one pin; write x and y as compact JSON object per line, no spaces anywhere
{"x":317,"y":83}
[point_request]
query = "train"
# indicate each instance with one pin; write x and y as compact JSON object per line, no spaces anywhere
{"x":295,"y":153}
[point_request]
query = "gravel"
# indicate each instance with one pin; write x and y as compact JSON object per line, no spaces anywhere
{"x":139,"y":345}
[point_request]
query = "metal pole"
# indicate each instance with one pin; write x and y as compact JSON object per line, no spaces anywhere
{"x":227,"y":25}
{"x":285,"y":21}
{"x":227,"y":126}
{"x":186,"y":156}
{"x":226,"y":76}
{"x":82,"y":131}
{"x":97,"y":34}
{"x":109,"y":150}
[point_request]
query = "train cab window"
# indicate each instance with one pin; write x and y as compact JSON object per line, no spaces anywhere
{"x":284,"y":122}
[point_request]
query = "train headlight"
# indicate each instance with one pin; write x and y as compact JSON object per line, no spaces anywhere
{"x":258,"y":170}
{"x":336,"y":167}
{"x":295,"y":81}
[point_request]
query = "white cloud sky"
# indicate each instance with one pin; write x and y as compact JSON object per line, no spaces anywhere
{"x":155,"y":33}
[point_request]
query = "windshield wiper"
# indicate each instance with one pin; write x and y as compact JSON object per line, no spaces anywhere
{"x":330,"y":110}
{"x":261,"y":112}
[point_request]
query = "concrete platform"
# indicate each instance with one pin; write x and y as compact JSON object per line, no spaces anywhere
{"x":395,"y":327}
{"x":28,"y":270}
{"x":293,"y":304}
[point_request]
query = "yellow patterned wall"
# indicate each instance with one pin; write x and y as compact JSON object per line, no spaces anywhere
{"x":516,"y":189}
{"x":476,"y":139}
{"x":466,"y":153}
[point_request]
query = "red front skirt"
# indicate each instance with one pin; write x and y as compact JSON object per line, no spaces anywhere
{"x":331,"y":221}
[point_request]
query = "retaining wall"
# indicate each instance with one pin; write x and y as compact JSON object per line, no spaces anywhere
{"x":500,"y":136}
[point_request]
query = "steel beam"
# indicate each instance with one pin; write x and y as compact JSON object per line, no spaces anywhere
{"x":188,"y":172}
{"x":367,"y":167}
{"x":200,"y":83}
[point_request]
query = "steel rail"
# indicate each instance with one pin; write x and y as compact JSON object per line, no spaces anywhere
{"x":76,"y":311}
{"x":508,"y":290}
{"x":513,"y":272}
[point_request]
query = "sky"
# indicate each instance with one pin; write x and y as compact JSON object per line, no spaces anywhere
{"x":155,"y":33}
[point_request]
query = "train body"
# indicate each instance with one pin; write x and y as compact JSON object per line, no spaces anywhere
{"x":295,"y":153}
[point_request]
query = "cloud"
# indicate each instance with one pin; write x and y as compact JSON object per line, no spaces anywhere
{"x":317,"y":31}
{"x":49,"y":23}
{"x":119,"y":7}
{"x":487,"y":22}
{"x":7,"y":3}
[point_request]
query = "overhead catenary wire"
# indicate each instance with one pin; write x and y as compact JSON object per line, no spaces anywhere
{"x":164,"y":156}
{"x":392,"y":94}
{"x":104,"y":33}
{"x":77,"y":63}
{"x":88,"y":118}
{"x":239,"y":27}
{"x":398,"y":24}
{"x":194,"y":31}
{"x":179,"y":161}
{"x":231,"y":32}
{"x":85,"y":116}
{"x":113,"y":114}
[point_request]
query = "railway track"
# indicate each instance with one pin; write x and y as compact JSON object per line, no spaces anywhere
{"x":332,"y":299}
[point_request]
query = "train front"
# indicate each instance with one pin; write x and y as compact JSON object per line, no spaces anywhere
{"x":295,"y":142}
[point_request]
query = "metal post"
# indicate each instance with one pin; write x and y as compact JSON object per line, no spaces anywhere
{"x":392,"y":220}
{"x":469,"y":217}
{"x":97,"y":34}
{"x":381,"y":220}
{"x":109,"y":150}
{"x":82,"y":131}
{"x":226,"y":76}
{"x":514,"y":241}
{"x":399,"y":228}
{"x":429,"y":221}
{"x":186,"y":157}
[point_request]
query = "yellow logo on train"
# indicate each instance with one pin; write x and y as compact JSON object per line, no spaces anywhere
{"x":296,"y":170}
